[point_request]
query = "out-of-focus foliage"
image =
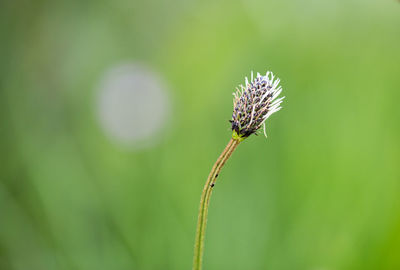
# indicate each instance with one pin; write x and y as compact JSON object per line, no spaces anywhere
{"x":321,"y":193}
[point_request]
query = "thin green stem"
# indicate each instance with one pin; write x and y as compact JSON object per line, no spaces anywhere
{"x":205,"y":200}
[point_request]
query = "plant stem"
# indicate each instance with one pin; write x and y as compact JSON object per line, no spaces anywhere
{"x":205,"y":200}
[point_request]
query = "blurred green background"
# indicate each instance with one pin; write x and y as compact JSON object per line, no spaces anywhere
{"x":78,"y":192}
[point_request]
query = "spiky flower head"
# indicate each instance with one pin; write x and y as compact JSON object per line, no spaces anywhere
{"x":254,"y":103}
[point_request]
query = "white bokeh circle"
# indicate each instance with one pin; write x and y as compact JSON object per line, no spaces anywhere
{"x":133,"y":105}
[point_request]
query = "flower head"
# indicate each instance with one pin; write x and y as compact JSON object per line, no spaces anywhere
{"x":254,"y":103}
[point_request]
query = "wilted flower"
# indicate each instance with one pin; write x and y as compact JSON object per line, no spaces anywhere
{"x":254,"y":103}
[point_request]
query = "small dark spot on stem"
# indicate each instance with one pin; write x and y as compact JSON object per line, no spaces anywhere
{"x":212,"y":185}
{"x":216,"y":175}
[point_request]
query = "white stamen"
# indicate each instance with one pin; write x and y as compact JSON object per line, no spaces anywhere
{"x":252,"y":115}
{"x":272,"y":77}
{"x":276,"y":94}
{"x":265,"y":132}
{"x":276,"y":83}
{"x":279,"y":100}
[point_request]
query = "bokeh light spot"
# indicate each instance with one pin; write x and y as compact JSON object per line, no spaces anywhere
{"x":133,"y":105}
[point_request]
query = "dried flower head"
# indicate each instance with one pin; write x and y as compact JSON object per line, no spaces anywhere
{"x":254,"y":103}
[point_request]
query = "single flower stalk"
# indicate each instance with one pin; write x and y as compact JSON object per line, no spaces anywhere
{"x":253,"y":103}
